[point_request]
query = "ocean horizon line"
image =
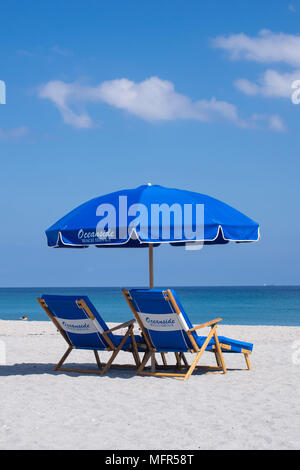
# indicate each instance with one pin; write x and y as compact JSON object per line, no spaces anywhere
{"x":161,"y":286}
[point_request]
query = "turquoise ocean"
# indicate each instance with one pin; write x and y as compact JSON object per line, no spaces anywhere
{"x":265,"y":305}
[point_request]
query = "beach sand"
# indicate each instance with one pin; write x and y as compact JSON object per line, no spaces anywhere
{"x":43,"y":409}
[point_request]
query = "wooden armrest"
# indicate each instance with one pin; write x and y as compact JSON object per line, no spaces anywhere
{"x":209,"y":323}
{"x":123,"y":325}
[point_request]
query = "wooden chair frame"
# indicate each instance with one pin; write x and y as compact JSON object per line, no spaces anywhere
{"x":150,"y":353}
{"x":103,"y":368}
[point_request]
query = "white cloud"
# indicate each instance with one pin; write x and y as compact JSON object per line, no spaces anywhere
{"x":60,"y":94}
{"x":60,"y":51}
{"x":276,"y":123}
{"x":152,"y":99}
{"x":24,"y":52}
{"x":155,"y":99}
{"x":11,"y":134}
{"x":292,"y":8}
{"x":272,"y":122}
{"x":266,"y":47}
{"x":247,"y":87}
{"x":271,"y":84}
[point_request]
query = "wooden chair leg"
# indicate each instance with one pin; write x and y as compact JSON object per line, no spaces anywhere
{"x":98,"y":359}
{"x":182,"y":355}
{"x":153,"y":362}
{"x":220,"y":354}
{"x":70,"y":348}
{"x":136,"y":358}
{"x":163,"y":357}
{"x":217,"y":359}
{"x":135,"y":352}
{"x":199,"y":354}
{"x":144,"y":361}
{"x":116,"y":351}
{"x":178,"y":360}
{"x":247,"y":361}
{"x":80,"y":371}
{"x":144,"y":356}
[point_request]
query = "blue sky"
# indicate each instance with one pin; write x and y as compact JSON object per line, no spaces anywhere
{"x":109,"y":95}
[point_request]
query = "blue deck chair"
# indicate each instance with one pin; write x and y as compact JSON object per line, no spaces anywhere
{"x":167,"y":328}
{"x":83,"y":328}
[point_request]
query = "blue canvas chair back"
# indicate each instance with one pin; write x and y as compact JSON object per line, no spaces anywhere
{"x":82,"y":331}
{"x":166,"y":328}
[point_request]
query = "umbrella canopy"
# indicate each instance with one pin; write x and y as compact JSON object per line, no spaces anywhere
{"x":148,"y":216}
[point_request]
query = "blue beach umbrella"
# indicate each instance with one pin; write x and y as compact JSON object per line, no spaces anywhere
{"x":148,"y":216}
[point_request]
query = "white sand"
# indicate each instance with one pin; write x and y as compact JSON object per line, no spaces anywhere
{"x":43,"y":409}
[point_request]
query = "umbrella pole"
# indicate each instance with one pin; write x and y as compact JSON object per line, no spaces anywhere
{"x":150,"y":266}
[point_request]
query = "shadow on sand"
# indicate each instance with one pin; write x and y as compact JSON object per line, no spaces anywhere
{"x":44,"y":368}
{"x":114,"y":372}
